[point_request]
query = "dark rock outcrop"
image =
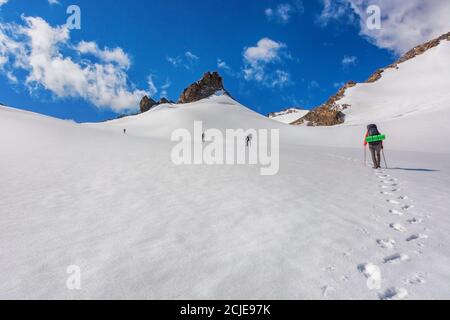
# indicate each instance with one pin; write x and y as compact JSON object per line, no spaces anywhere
{"x":330,"y":113}
{"x":164,"y":101}
{"x":146,"y":104}
{"x":204,"y":88}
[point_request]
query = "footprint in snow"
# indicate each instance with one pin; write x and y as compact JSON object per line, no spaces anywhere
{"x":373,"y":275}
{"x":329,"y":269}
{"x":389,"y":180}
{"x":393,"y":201}
{"x":394,"y":294}
{"x":415,"y":237}
{"x":407,"y":207}
{"x":327,"y":290}
{"x":415,"y":221}
{"x":403,"y":198}
{"x":386,"y":193}
{"x":386,"y":243}
{"x":396,"y":212}
{"x":396,"y":259}
{"x":418,"y":278}
{"x":398,"y":227}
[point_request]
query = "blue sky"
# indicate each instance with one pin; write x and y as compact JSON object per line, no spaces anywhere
{"x":272,"y":54}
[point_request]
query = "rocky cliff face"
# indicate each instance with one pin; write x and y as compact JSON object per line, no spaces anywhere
{"x":204,"y":88}
{"x":331,"y":112}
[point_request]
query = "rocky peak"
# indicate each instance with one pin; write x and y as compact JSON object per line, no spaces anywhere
{"x":146,"y":104}
{"x":204,"y":88}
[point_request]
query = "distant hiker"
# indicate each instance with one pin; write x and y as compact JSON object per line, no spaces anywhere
{"x":375,"y":140}
{"x":124,"y":131}
{"x":203,"y":137}
{"x":248,"y":140}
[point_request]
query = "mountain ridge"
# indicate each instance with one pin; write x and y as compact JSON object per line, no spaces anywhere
{"x":331,"y":113}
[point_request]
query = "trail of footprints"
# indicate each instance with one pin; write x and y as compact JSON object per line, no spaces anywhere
{"x":403,"y":221}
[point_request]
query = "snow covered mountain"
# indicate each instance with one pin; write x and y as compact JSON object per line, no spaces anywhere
{"x":289,"y":115}
{"x":416,"y":83}
{"x":324,"y":227}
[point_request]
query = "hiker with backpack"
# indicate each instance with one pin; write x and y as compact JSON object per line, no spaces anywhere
{"x":248,"y":140}
{"x":374,"y":139}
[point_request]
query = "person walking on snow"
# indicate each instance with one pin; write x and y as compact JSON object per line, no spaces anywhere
{"x":375,"y":147}
{"x":248,"y":141}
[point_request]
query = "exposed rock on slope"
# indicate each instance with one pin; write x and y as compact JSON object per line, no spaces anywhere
{"x":331,"y":112}
{"x":206,"y":87}
{"x":328,"y":114}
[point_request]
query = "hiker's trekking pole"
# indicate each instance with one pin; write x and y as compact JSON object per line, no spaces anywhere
{"x":365,"y":156}
{"x":384,"y":157}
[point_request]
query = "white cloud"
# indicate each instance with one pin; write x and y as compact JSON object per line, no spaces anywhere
{"x":43,"y":52}
{"x":280,"y":78}
{"x":187,"y":61}
{"x":269,"y":13}
{"x":164,"y":88}
{"x":116,"y":55}
{"x":258,"y":58}
{"x":265,"y":51}
{"x":52,"y":2}
{"x":222,"y":64}
{"x":349,"y":61}
{"x":176,"y":62}
{"x":334,"y":10}
{"x":284,"y":11}
{"x":191,"y":57}
{"x":404,"y":23}
{"x":2,"y":2}
{"x":152,"y":90}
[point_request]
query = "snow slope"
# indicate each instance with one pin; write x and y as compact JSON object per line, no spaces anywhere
{"x":140,"y":227}
{"x":219,"y":112}
{"x":325,"y":227}
{"x":288,"y":116}
{"x":410,"y":104}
